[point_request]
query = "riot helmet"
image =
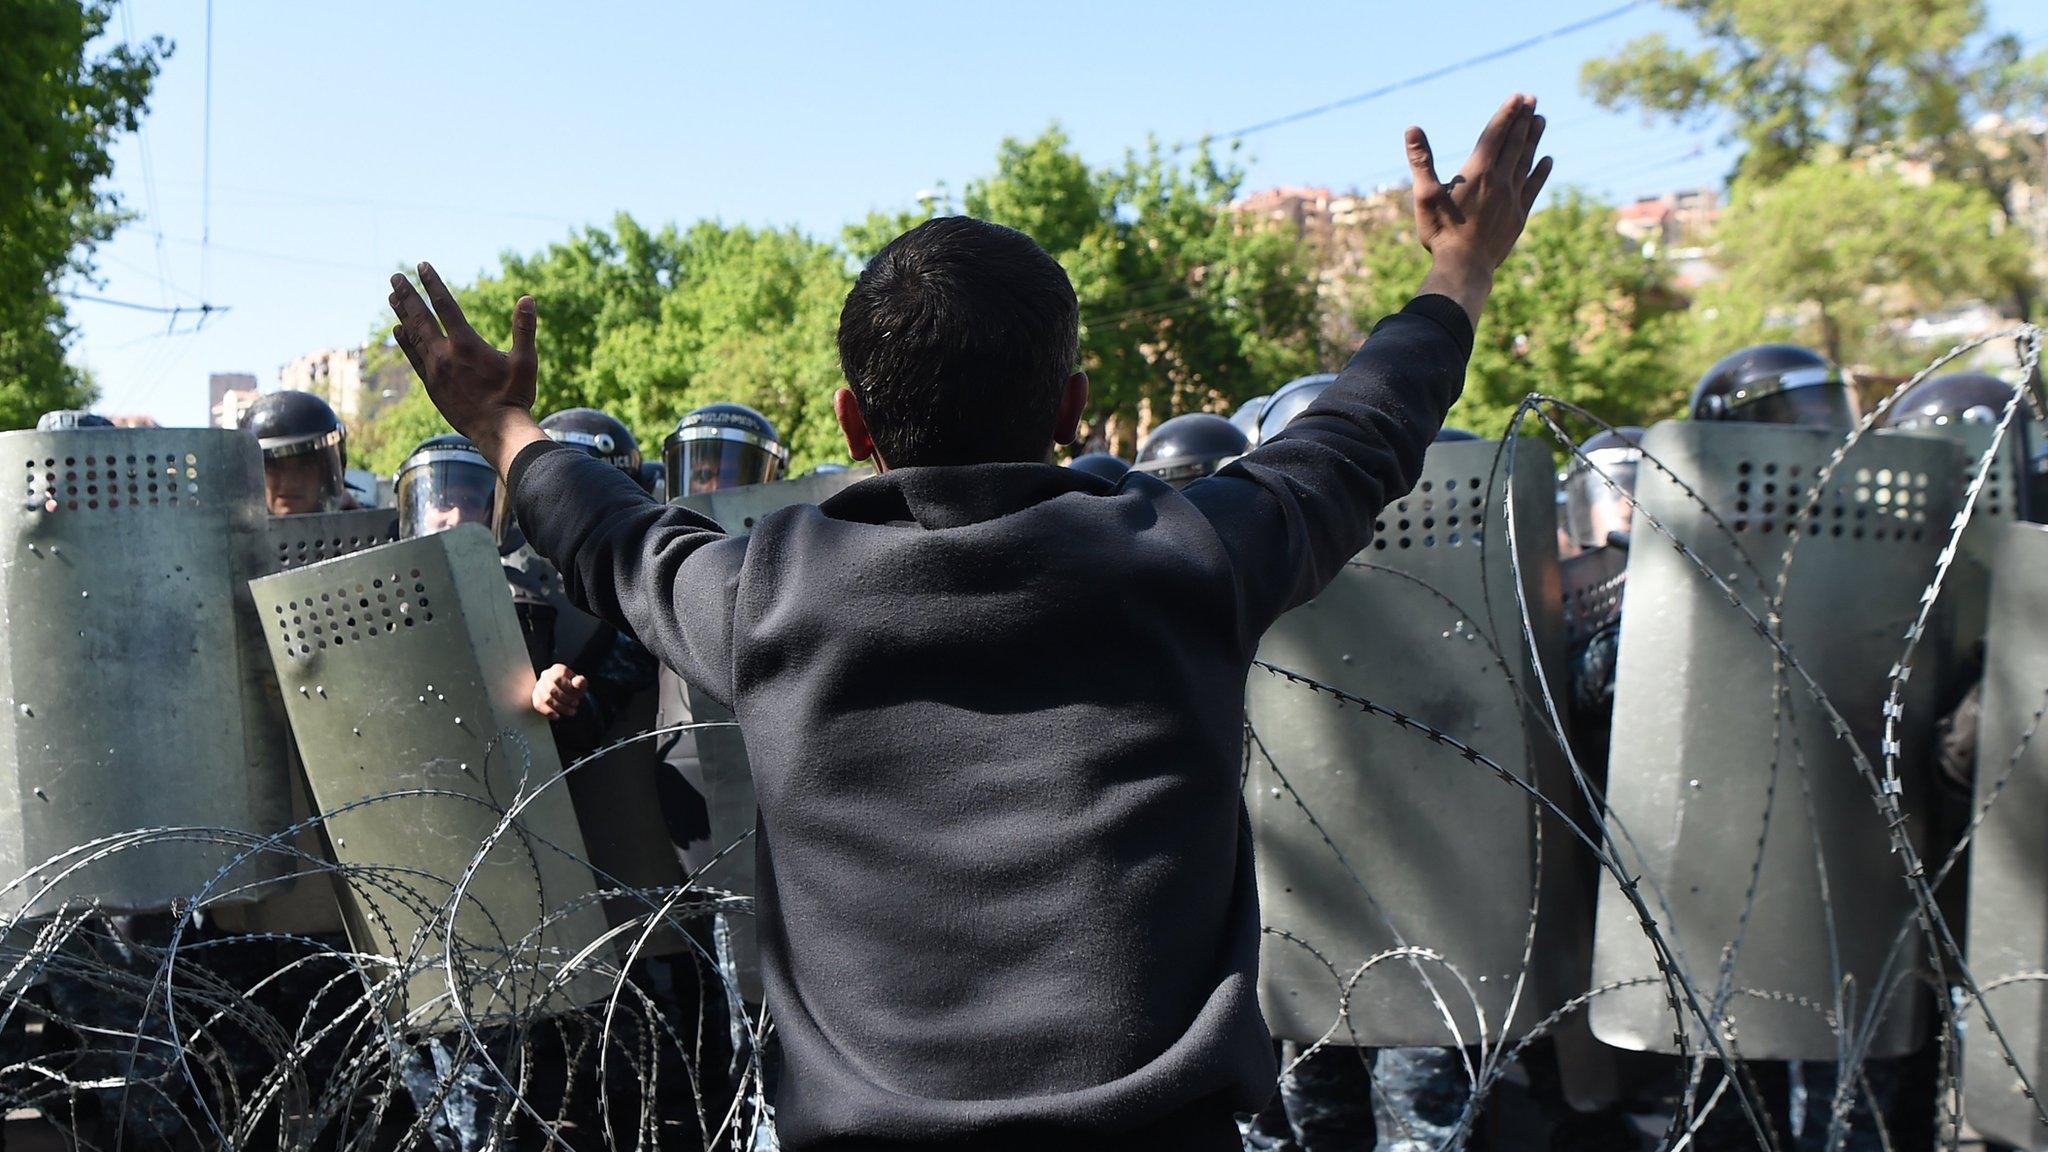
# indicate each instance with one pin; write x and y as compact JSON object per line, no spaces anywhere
{"x":69,"y":419}
{"x":722,"y":446}
{"x":1450,"y":435}
{"x":1110,"y":468}
{"x":445,"y":482}
{"x":1247,"y":417}
{"x":305,"y":452}
{"x":1288,"y":401}
{"x":1596,"y":506}
{"x":1945,"y":405}
{"x":1776,"y":384}
{"x":604,"y":437}
{"x":1187,"y":448}
{"x":1955,"y":399}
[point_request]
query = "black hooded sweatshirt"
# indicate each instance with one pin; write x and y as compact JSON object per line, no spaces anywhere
{"x":995,"y":717}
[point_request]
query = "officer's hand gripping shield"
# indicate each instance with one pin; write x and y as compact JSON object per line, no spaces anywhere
{"x":1371,"y":838}
{"x":409,"y":690}
{"x":617,"y":793}
{"x":136,"y":697}
{"x":713,"y":761}
{"x":1762,"y":854}
{"x":2008,"y":865}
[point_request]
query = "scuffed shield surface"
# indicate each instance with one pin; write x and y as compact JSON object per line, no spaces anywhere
{"x":409,"y":692}
{"x":1371,"y":837}
{"x":1712,"y":765}
{"x":134,"y":684}
{"x":2008,"y":942}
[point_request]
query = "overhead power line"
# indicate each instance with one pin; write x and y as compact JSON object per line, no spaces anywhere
{"x":1436,"y":73}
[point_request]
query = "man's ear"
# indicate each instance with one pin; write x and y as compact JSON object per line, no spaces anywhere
{"x":859,"y":444}
{"x":1073,"y":402}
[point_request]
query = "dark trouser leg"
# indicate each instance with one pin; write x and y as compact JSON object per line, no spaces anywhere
{"x":1902,"y":1090}
{"x":1328,"y":1095}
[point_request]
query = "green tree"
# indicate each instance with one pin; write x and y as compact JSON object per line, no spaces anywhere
{"x":60,"y":109}
{"x":648,"y":325}
{"x":1803,"y":81}
{"x":1577,"y":312}
{"x":1833,"y":250}
{"x":1184,"y":304}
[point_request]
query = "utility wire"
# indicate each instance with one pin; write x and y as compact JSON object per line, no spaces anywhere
{"x":1435,"y":73}
{"x":206,"y":163}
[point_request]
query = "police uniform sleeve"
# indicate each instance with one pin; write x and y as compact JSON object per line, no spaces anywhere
{"x":659,"y":573}
{"x":1295,"y":509}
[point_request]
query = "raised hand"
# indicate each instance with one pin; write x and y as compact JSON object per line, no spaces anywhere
{"x":1471,"y":223}
{"x":484,"y":393}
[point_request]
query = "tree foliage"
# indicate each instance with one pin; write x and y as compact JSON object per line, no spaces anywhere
{"x":648,"y":325}
{"x":1183,"y":304}
{"x":1806,"y":81}
{"x":60,"y":110}
{"x":1834,"y":250}
{"x":1577,"y":312}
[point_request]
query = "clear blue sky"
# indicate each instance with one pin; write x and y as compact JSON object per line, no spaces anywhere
{"x":348,"y":140}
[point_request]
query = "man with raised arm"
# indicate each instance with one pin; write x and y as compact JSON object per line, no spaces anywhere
{"x":1006,"y":894}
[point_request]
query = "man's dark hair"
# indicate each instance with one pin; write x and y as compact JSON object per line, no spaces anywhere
{"x":957,"y":340}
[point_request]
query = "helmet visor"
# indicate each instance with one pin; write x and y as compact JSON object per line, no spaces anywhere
{"x":441,"y":494}
{"x":710,"y":463}
{"x":1181,"y":471}
{"x":306,"y":481}
{"x":1829,"y":405}
{"x":1595,"y":507}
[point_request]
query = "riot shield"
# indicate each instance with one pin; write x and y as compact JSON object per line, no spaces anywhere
{"x":131,"y":700}
{"x":1593,"y":584}
{"x":1372,"y":838}
{"x":296,"y":541}
{"x":724,"y":783}
{"x":615,"y":795}
{"x":1756,"y":839}
{"x":409,"y":692}
{"x":307,"y":903}
{"x":1965,"y":594}
{"x":2008,"y":936}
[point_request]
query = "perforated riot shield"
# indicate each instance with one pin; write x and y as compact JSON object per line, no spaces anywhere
{"x":409,"y":692}
{"x":617,"y":804}
{"x":1593,"y":582}
{"x":2008,"y":939}
{"x":130,"y":702}
{"x":1966,"y":592}
{"x":308,"y":902}
{"x":1372,"y":838}
{"x":1711,"y":764}
{"x":716,"y":783}
{"x":296,"y":541}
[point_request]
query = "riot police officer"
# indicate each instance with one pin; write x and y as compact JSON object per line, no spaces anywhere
{"x":1961,"y":399}
{"x":305,"y":453}
{"x":1247,"y":417}
{"x":1288,"y":401}
{"x":445,"y":483}
{"x":1599,"y":514}
{"x":1776,"y":384}
{"x":1335,"y":1096}
{"x":722,"y":446}
{"x":1110,"y":468}
{"x":1791,"y":385}
{"x":1186,"y":448}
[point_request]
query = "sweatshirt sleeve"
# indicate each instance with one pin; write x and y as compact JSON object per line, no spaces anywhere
{"x":1295,"y":509}
{"x":659,"y":573}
